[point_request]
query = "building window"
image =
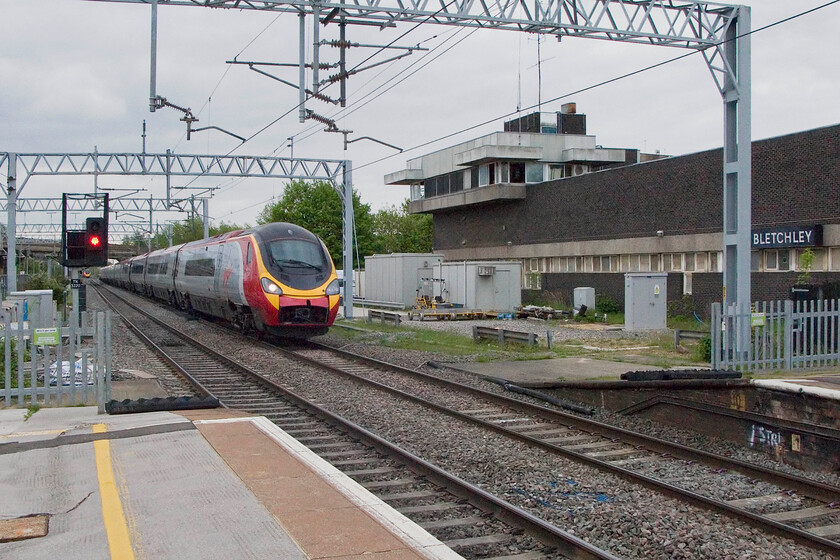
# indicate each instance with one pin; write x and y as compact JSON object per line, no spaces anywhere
{"x":578,"y":264}
{"x":834,"y":258}
{"x":689,"y":263}
{"x":624,"y":263}
{"x":503,"y":172}
{"x":700,"y":262}
{"x":818,"y":265}
{"x":483,"y":175}
{"x":517,"y":172}
{"x":713,"y":262}
{"x":533,"y":265}
{"x":644,"y":263}
{"x":533,"y":173}
{"x":656,"y":263}
{"x":614,"y":263}
{"x":491,"y":171}
{"x":588,"y":266}
{"x":777,"y":259}
{"x":596,"y":264}
{"x":634,"y":263}
{"x":676,"y":261}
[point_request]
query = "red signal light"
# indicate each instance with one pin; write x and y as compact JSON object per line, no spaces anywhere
{"x":94,"y":241}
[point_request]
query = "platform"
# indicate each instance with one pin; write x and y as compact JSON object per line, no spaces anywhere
{"x":202,"y":484}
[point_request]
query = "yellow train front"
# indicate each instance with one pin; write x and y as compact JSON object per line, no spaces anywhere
{"x":277,"y":278}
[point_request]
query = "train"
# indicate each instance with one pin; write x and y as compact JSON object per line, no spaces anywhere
{"x":275,"y":278}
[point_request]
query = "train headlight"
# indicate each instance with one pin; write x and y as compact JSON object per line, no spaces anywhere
{"x":332,"y":289}
{"x":270,"y":287}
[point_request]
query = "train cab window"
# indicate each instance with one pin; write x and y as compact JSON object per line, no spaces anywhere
{"x":294,"y":255}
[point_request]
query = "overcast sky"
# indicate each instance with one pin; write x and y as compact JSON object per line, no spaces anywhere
{"x":76,"y":76}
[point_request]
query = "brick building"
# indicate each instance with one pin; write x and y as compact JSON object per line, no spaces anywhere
{"x":577,"y":214}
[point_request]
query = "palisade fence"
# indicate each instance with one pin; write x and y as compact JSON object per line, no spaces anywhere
{"x":55,"y":364}
{"x":776,"y":335}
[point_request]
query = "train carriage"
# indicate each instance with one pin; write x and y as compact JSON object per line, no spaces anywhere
{"x":276,"y":277}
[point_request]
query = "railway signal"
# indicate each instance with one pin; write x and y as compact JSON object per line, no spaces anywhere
{"x":87,"y":247}
{"x":96,"y":242}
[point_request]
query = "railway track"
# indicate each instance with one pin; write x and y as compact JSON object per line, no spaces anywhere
{"x":471,"y":521}
{"x":778,"y":503}
{"x":791,"y":506}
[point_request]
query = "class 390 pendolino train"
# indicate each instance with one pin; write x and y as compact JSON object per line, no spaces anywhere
{"x":276,"y":278}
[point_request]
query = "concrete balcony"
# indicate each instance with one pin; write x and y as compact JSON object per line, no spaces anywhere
{"x":469,"y":197}
{"x":495,"y":152}
{"x":404,"y":177}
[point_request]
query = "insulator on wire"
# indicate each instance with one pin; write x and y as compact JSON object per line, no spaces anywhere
{"x":338,"y":43}
{"x":321,"y":97}
{"x":321,"y":119}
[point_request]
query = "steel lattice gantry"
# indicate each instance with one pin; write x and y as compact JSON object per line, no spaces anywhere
{"x":169,"y":165}
{"x":720,"y":31}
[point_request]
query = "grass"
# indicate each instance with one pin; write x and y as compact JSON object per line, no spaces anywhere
{"x":33,"y":408}
{"x":660,"y":354}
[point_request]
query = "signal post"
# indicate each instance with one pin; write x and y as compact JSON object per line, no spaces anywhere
{"x":83,"y":248}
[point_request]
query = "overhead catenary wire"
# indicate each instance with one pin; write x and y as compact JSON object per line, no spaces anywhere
{"x":596,"y":85}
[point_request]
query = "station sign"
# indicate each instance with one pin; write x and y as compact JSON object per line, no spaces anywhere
{"x":787,"y":236}
{"x":75,"y":284}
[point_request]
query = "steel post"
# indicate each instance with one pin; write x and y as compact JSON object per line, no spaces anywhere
{"x":737,"y":171}
{"x":302,"y":68}
{"x":11,"y":210}
{"x":153,"y":61}
{"x":316,"y":38}
{"x":349,"y":277}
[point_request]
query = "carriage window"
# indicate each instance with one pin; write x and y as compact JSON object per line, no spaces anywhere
{"x":200,"y":267}
{"x":248,"y":254}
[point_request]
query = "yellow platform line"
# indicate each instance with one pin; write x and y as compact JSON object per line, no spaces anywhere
{"x":112,"y":510}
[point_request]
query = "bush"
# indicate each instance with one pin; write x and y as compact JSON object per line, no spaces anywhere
{"x":684,"y":307}
{"x":606,"y":304}
{"x":547,"y":298}
{"x":703,"y":350}
{"x":40,"y":281}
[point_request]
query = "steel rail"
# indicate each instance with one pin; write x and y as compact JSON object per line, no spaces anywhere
{"x":756,"y":520}
{"x":548,"y":534}
{"x":804,"y":486}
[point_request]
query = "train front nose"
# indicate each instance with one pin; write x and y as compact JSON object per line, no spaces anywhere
{"x":310,"y":311}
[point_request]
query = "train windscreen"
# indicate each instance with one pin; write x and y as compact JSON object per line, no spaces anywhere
{"x":297,"y":256}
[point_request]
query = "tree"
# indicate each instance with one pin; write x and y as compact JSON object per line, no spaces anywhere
{"x":317,"y":207}
{"x":190,"y":229}
{"x":397,"y":231}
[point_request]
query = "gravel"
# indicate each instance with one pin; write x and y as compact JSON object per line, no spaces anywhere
{"x":628,"y":520}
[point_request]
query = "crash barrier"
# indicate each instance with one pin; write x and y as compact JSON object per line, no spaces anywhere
{"x":384,"y":316}
{"x":362,"y":302}
{"x":503,"y":335}
{"x":62,"y":363}
{"x":688,"y":335}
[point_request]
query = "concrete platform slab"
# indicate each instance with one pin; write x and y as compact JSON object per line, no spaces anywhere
{"x":553,"y":370}
{"x":224,"y":490}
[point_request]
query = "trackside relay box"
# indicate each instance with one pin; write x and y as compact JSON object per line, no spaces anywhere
{"x":645,"y":301}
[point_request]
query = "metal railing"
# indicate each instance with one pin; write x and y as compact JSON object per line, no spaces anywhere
{"x":384,"y":316}
{"x":502,"y":335}
{"x":52,"y":365}
{"x":776,"y":335}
